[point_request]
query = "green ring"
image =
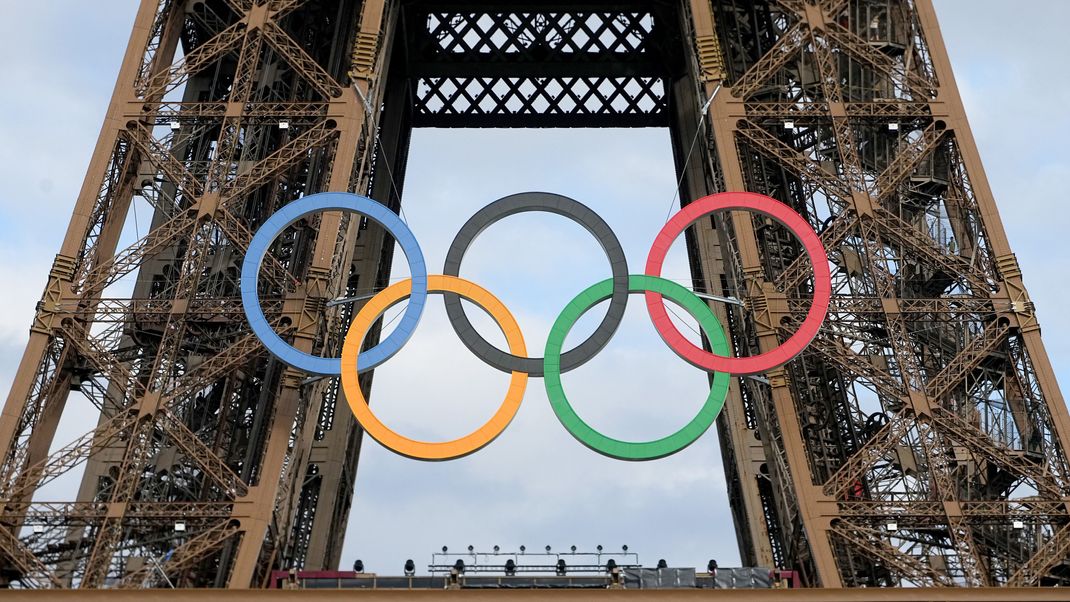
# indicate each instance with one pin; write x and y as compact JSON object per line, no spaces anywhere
{"x":629,"y":450}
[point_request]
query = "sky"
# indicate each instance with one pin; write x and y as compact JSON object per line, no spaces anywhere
{"x":535,"y":485}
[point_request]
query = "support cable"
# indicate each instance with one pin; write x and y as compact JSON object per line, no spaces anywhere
{"x":690,"y":152}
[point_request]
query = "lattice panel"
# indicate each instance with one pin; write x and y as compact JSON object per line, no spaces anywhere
{"x":523,"y":102}
{"x":538,"y":36}
{"x":544,"y":68}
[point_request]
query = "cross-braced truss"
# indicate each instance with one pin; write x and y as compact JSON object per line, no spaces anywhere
{"x":921,"y":439}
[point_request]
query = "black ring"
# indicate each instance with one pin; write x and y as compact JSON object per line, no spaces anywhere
{"x":550,"y":203}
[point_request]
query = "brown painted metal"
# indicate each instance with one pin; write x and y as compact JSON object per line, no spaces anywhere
{"x":939,"y":443}
{"x":988,"y":594}
{"x":921,"y":439}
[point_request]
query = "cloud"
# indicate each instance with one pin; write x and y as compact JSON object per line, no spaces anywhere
{"x":59,"y":60}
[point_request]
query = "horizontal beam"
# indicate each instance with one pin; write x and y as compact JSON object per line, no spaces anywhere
{"x":980,"y":594}
{"x":596,"y":65}
{"x":588,"y":6}
{"x":498,"y":120}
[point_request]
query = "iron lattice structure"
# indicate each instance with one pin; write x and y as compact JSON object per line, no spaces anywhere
{"x":920,"y":440}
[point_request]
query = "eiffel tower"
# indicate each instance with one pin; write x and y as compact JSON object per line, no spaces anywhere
{"x":921,"y":439}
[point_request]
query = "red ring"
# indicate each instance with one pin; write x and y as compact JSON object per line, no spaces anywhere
{"x":814,"y":249}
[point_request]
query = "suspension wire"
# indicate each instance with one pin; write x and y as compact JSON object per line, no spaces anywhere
{"x":690,"y":152}
{"x":682,"y":320}
{"x":689,"y":281}
{"x":400,"y":311}
{"x":390,"y":175}
{"x":133,"y":207}
{"x":369,"y":124}
{"x":680,"y":182}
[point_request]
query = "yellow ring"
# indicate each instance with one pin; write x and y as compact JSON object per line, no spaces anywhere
{"x":424,"y":450}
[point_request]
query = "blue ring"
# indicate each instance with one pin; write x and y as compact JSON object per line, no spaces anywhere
{"x":332,"y":201}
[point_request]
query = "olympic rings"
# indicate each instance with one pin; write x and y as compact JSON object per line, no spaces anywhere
{"x":814,"y":249}
{"x":331,"y":201}
{"x":616,"y":289}
{"x":626,"y":450}
{"x":551,"y":203}
{"x":412,"y":448}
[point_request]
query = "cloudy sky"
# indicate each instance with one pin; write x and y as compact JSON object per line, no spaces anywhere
{"x":535,"y":485}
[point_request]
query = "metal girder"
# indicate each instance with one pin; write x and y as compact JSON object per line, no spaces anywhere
{"x":33,"y":572}
{"x":878,"y":240}
{"x":178,"y":172}
{"x":109,"y":534}
{"x":163,"y":15}
{"x":297,"y":58}
{"x":259,"y":112}
{"x":922,"y":514}
{"x":166,"y":235}
{"x":966,"y":361}
{"x":157,"y":240}
{"x":847,"y":41}
{"x":280,"y":8}
{"x":873,"y":542}
{"x":785,"y":49}
{"x":227,"y":149}
{"x":906,"y":161}
{"x":856,"y":365}
{"x":808,"y":169}
{"x":200,"y":58}
{"x":632,"y":101}
{"x":215,"y":367}
{"x":1054,"y":551}
{"x":204,"y":456}
{"x":807,"y":112}
{"x":873,"y":450}
{"x":65,"y":458}
{"x":210,"y":21}
{"x":165,"y":512}
{"x":278,"y":161}
{"x":833,"y":8}
{"x":160,"y":156}
{"x":957,"y":305}
{"x":977,"y":308}
{"x":240,"y":7}
{"x":832,"y":236}
{"x":911,"y":239}
{"x":798,"y":7}
{"x":101,"y":358}
{"x":537,"y":44}
{"x":843,"y":134}
{"x":271,"y":269}
{"x":538,"y":66}
{"x":941,"y":474}
{"x":184,"y":556}
{"x":981,"y":443}
{"x":117,"y":310}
